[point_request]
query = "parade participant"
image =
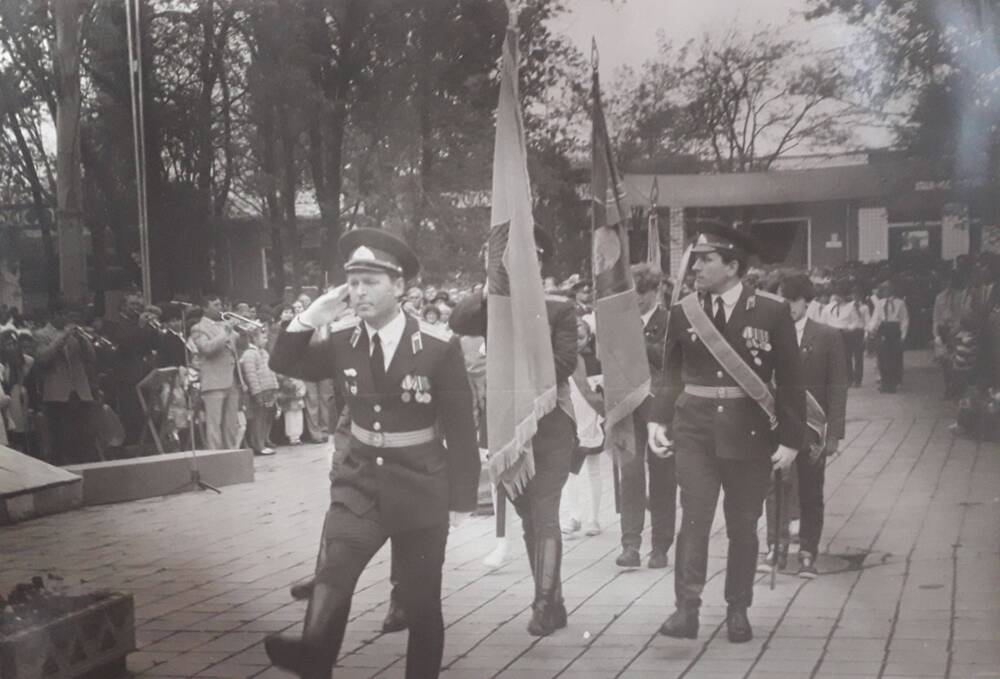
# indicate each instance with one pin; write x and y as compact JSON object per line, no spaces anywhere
{"x":661,"y":498}
{"x":588,"y":409}
{"x":848,"y":314}
{"x":134,"y":340}
{"x":395,"y":479}
{"x":825,"y":376}
{"x":719,"y":344}
{"x":219,"y":379}
{"x":538,"y":504}
{"x":889,"y":323}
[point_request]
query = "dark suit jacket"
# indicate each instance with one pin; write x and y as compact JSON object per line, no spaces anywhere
{"x":655,"y":333}
{"x":415,"y":486}
{"x":133,"y":344}
{"x":740,"y":430}
{"x":824,"y":373}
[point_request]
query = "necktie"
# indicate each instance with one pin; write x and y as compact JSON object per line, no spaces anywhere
{"x":720,"y":315}
{"x":377,"y":363}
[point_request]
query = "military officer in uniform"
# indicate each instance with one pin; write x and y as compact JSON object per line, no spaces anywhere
{"x":404,"y":382}
{"x":553,"y":445}
{"x":722,"y":437}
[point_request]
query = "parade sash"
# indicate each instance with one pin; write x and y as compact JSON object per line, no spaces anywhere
{"x":744,"y":375}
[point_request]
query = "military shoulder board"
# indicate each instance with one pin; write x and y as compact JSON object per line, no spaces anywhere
{"x":344,"y":324}
{"x":436,"y":331}
{"x":769,"y":295}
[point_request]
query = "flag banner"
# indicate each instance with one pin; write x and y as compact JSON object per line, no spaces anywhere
{"x":520,"y":372}
{"x":653,"y":247}
{"x":621,"y":345}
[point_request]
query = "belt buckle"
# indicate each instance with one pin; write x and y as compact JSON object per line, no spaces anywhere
{"x":720,"y":392}
{"x":378,"y":439}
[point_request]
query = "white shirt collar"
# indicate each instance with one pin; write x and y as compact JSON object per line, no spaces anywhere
{"x":390,"y":336}
{"x":649,"y":314}
{"x":800,"y":327}
{"x":730,"y":297}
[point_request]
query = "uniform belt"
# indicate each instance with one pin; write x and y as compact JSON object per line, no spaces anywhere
{"x":393,"y":439}
{"x":714,"y":392}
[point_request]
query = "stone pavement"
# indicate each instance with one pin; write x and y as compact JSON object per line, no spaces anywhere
{"x":909,"y":585}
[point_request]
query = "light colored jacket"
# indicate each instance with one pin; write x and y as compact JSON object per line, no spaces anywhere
{"x":215,"y":356}
{"x":256,"y":374}
{"x":65,"y":367}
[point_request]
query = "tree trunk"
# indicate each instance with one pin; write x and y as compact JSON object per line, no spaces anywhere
{"x":41,"y":212}
{"x":289,"y":187}
{"x":68,"y":15}
{"x":270,"y":172}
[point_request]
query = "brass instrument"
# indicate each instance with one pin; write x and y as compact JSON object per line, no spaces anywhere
{"x":98,"y":341}
{"x":242,"y":322}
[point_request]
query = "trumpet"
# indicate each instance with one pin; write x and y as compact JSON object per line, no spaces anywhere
{"x":95,"y":339}
{"x":242,"y":322}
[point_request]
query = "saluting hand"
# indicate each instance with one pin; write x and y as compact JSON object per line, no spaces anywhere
{"x":656,"y":437}
{"x":327,"y":307}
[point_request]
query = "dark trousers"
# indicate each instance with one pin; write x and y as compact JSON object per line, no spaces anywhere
{"x":661,"y":498}
{"x":700,"y":475}
{"x":854,"y":347}
{"x":349,"y":543}
{"x":260,"y":417}
{"x":129,"y":410}
{"x":71,"y":430}
{"x":890,"y":354}
{"x":538,"y":505}
{"x":808,"y":478}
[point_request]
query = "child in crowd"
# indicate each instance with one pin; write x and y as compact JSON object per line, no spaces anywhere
{"x":291,"y":401}
{"x":262,"y":386}
{"x":588,"y":406}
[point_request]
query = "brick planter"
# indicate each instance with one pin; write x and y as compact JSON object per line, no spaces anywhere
{"x":89,"y":643}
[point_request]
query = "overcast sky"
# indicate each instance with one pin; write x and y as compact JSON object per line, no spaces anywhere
{"x":626,"y":30}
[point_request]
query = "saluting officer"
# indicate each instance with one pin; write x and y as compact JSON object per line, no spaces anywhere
{"x":721,"y":435}
{"x":396,"y":478}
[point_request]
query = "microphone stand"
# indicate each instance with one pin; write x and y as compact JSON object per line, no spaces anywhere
{"x":196,"y":479}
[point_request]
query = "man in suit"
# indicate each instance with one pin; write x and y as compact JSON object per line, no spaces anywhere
{"x":65,"y":364}
{"x":825,"y":376}
{"x":553,"y":445}
{"x":889,"y":323}
{"x":662,"y":495}
{"x":134,"y":340}
{"x":723,"y":438}
{"x":215,"y":343}
{"x":403,"y":381}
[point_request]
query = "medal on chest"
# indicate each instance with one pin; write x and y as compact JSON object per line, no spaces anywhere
{"x":351,"y":381}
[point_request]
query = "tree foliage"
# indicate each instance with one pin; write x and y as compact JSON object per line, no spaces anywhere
{"x":739,"y":101}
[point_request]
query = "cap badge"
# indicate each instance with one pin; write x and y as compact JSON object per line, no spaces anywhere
{"x":363,"y":253}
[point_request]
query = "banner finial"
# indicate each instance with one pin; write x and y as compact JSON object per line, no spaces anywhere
{"x":511,"y":12}
{"x":595,"y":55}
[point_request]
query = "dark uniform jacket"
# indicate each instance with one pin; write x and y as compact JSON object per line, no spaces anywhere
{"x":414,"y":486}
{"x":133,"y":344}
{"x":470,"y":318}
{"x":654,"y":332}
{"x":824,"y":373}
{"x":763,"y":334}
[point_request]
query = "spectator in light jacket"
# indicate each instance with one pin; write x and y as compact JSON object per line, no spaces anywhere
{"x":262,"y":386}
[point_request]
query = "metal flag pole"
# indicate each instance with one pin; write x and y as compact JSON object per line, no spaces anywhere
{"x":134,"y":35}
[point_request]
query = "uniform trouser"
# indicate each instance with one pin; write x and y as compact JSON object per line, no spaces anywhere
{"x":661,"y":499}
{"x":538,"y":504}
{"x":71,"y":430}
{"x":129,"y":410}
{"x":890,"y":354}
{"x":700,"y":475}
{"x":810,"y":477}
{"x":221,"y":420}
{"x":854,"y":347}
{"x":349,"y":543}
{"x":317,"y":409}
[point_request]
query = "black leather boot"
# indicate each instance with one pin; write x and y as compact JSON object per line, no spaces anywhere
{"x":313,"y":655}
{"x":395,"y":617}
{"x":302,"y":590}
{"x":547,"y":611}
{"x":682,"y":624}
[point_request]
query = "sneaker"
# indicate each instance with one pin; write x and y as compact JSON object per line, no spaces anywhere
{"x":807,"y":565}
{"x":497,"y":557}
{"x":571,"y":526}
{"x":592,"y":528}
{"x":767,"y":562}
{"x":267,"y":451}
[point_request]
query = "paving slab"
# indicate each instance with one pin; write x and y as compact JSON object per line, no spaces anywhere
{"x":908,"y":582}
